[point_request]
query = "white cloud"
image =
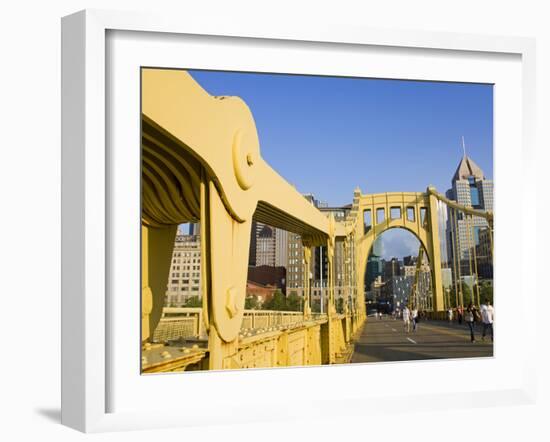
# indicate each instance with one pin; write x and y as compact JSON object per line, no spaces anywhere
{"x":398,"y":243}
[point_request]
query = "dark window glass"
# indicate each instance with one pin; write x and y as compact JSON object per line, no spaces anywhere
{"x":474,"y":196}
{"x":474,"y":193}
{"x":476,"y":235}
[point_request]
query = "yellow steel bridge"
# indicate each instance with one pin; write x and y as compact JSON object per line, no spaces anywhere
{"x":201,"y":160}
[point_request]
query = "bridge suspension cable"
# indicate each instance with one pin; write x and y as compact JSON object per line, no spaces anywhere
{"x":469,"y":215}
{"x":413,"y":299}
{"x":469,"y":239}
{"x":488,"y":215}
{"x":458,"y":262}
{"x":472,"y":249}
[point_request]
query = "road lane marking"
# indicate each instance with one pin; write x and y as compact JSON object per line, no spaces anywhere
{"x":411,"y":340}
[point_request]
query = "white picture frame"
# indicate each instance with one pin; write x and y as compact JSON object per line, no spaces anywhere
{"x":87,"y":208}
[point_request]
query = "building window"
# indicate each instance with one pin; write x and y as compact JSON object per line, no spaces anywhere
{"x":474,"y":193}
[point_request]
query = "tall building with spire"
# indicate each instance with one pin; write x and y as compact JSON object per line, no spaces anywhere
{"x":470,"y":188}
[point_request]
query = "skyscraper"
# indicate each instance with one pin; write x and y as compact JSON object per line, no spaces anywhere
{"x":295,"y":269}
{"x":392,"y":268}
{"x":281,"y":248}
{"x":268,"y":246}
{"x":184,"y":280}
{"x":265,"y":246}
{"x":253,"y":243}
{"x":339,"y":214}
{"x":319,"y":262}
{"x":470,"y":188}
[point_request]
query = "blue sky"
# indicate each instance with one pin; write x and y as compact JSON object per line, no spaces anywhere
{"x":328,"y":135}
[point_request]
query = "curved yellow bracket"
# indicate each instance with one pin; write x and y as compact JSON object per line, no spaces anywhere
{"x":194,"y":141}
{"x":220,"y":134}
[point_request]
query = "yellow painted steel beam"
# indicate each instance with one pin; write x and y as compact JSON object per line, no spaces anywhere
{"x":221,"y":136}
{"x":201,"y":161}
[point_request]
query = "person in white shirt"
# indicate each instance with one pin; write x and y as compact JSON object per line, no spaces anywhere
{"x":450,"y":314}
{"x":407,"y":319}
{"x":487,"y":318}
{"x":414,"y":317}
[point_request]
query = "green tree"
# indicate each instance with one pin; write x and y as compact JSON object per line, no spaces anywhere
{"x":293,"y":302}
{"x":193,"y":301}
{"x":455,"y":298}
{"x":486,"y":292}
{"x":467,"y":294}
{"x":316,"y":306}
{"x":251,"y":303}
{"x":276,"y":302}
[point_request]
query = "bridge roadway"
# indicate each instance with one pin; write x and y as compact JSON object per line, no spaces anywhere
{"x":385,"y":340}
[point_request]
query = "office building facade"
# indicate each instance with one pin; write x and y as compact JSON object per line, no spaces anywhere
{"x":184,"y":280}
{"x":470,"y":188}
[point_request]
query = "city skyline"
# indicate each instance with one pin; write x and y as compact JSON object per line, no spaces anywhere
{"x":367,"y":119}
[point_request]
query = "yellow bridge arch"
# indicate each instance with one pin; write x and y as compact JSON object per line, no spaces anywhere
{"x":416,"y":212}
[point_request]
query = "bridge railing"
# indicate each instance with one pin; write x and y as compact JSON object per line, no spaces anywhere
{"x":268,"y":318}
{"x":262,"y":342}
{"x":186,"y":322}
{"x":179,"y":322}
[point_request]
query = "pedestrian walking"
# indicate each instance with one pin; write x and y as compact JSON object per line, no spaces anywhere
{"x":450,"y":315}
{"x":469,"y":317}
{"x":460,"y":314}
{"x":487,"y":318}
{"x":414,"y":317}
{"x":406,"y":319}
